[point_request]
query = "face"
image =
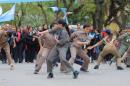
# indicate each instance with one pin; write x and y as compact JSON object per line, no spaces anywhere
{"x":30,"y":29}
{"x":59,"y":26}
{"x":91,"y":28}
{"x":55,"y":25}
{"x":78,"y":26}
{"x":39,"y":28}
{"x":19,"y":30}
{"x":45,"y":27}
{"x":87,"y":29}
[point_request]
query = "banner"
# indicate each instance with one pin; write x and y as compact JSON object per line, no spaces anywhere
{"x":19,"y":1}
{"x":9,"y":15}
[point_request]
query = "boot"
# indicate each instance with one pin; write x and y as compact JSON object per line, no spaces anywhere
{"x":11,"y":67}
{"x":96,"y":67}
{"x":50,"y":75}
{"x":75,"y":74}
{"x":119,"y":68}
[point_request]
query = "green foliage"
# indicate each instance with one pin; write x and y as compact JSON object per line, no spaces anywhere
{"x":84,"y":15}
{"x":30,"y":14}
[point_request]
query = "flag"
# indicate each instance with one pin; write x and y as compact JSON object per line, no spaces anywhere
{"x":19,"y":1}
{"x":9,"y":15}
{"x":1,"y":11}
{"x":55,"y":9}
{"x":64,"y":10}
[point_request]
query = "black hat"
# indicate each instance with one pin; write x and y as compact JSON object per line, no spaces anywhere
{"x":108,"y":32}
{"x":61,"y":21}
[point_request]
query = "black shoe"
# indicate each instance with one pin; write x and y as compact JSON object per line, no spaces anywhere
{"x":50,"y":75}
{"x":75,"y":73}
{"x":82,"y":69}
{"x":128,"y":66}
{"x":119,"y":68}
{"x":4,"y":62}
{"x":35,"y":72}
{"x":96,"y":67}
{"x":55,"y":65}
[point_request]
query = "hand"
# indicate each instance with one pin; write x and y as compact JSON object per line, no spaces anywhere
{"x":88,"y":42}
{"x":33,"y":39}
{"x":90,"y":47}
{"x":40,"y":33}
{"x":14,"y":46}
{"x":35,"y":36}
{"x":56,"y":40}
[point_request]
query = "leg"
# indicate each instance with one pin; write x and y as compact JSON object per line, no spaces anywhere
{"x":62,"y":54}
{"x":73,"y":52}
{"x":6,"y":47}
{"x":42,"y":59}
{"x":39,"y":55}
{"x":85,"y":58}
{"x":118,"y":58}
{"x":50,"y":59}
{"x":102,"y":54}
{"x":121,"y":50}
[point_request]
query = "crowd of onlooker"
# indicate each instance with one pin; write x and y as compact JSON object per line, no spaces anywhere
{"x":23,"y":46}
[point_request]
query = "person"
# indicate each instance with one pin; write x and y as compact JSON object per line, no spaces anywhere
{"x":78,"y":40}
{"x":124,"y":41}
{"x":62,"y":36}
{"x":5,"y":45}
{"x":46,"y":42}
{"x":126,"y":57}
{"x":109,"y":48}
{"x":18,"y":53}
{"x":78,"y":26}
{"x":91,"y":34}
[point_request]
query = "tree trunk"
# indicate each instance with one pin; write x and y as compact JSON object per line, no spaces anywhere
{"x":43,"y":12}
{"x":99,"y":15}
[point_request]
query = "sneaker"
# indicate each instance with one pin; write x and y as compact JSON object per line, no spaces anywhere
{"x":35,"y":72}
{"x":55,"y":65}
{"x":96,"y":67}
{"x":50,"y":75}
{"x":11,"y":67}
{"x":83,"y":70}
{"x":119,"y":68}
{"x":75,"y":73}
{"x":128,"y":66}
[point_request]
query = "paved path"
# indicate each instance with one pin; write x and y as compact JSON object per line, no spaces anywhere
{"x":23,"y":76}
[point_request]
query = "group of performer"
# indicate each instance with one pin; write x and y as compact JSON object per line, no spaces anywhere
{"x":59,"y":39}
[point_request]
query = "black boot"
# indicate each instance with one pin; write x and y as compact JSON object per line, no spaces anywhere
{"x":75,"y":73}
{"x":119,"y":68}
{"x":82,"y":69}
{"x":36,"y":72}
{"x":96,"y":67}
{"x":128,"y":66}
{"x":50,"y":75}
